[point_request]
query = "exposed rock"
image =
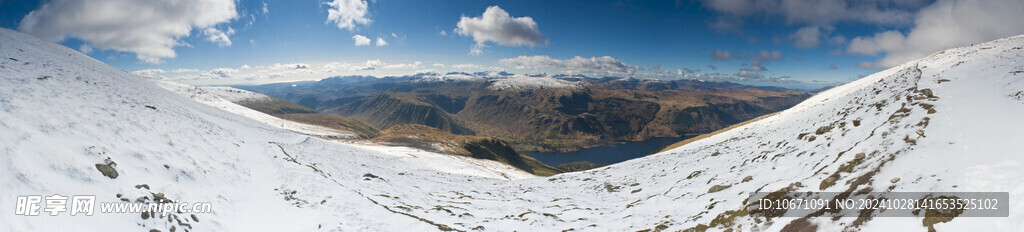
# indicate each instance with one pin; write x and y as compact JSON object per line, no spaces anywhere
{"x":717,"y":188}
{"x":928,"y":93}
{"x":894,"y":180}
{"x":107,"y":170}
{"x":140,"y":186}
{"x":822,"y":130}
{"x":748,"y":178}
{"x":859,"y":156}
{"x":159,"y":197}
{"x":828,"y":182}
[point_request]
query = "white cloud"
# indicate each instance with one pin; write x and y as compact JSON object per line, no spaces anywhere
{"x":218,"y":36}
{"x":339,"y":67}
{"x":265,"y":10}
{"x":361,"y":40}
{"x":149,"y":72}
{"x":762,"y":56}
{"x":413,"y":65}
{"x":279,"y":66}
{"x":722,"y":55}
{"x":85,"y":48}
{"x":766,"y":56}
{"x":495,"y":25}
{"x":381,"y":42}
{"x":807,"y":37}
{"x":151,"y":29}
{"x":817,"y":12}
{"x":749,"y":74}
{"x":184,"y":70}
{"x":943,"y":25}
{"x":223,"y":72}
{"x":466,"y":66}
{"x":347,"y":14}
{"x":598,"y":66}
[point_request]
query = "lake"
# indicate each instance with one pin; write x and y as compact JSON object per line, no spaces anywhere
{"x":606,"y":154}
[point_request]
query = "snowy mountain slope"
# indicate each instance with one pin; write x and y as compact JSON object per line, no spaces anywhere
{"x":527,"y":83}
{"x":448,"y":77}
{"x":235,"y":95}
{"x":225,"y":98}
{"x":966,"y":144}
{"x":63,"y":112}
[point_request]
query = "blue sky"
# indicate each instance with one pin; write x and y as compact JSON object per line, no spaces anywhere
{"x":768,"y":42}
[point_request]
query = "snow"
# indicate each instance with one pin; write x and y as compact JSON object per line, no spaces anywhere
{"x":235,"y":95}
{"x":498,"y":81}
{"x":530,"y":83}
{"x":227,"y":99}
{"x":449,"y":77}
{"x":62,"y":112}
{"x":57,"y":128}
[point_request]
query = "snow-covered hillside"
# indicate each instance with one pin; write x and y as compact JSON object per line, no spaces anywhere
{"x":948,"y":122}
{"x":227,"y":99}
{"x":62,"y":113}
{"x":527,"y":83}
{"x":235,"y":95}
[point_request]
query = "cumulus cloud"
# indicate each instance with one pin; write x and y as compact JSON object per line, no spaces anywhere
{"x":807,"y":37}
{"x":361,"y":40}
{"x":815,"y":17}
{"x":413,"y":65}
{"x":281,"y":72}
{"x":151,"y":29}
{"x":184,"y":70}
{"x":280,"y":66}
{"x":347,"y":14}
{"x":942,"y":25}
{"x":495,"y":25}
{"x":818,"y":12}
{"x":765,"y":56}
{"x":85,"y":48}
{"x":339,"y":67}
{"x":152,"y":72}
{"x":223,"y":72}
{"x":218,"y":36}
{"x":748,"y":74}
{"x":381,"y":42}
{"x":605,"y":65}
{"x":721,"y":55}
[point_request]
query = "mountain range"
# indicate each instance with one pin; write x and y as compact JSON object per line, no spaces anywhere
{"x":539,"y":112}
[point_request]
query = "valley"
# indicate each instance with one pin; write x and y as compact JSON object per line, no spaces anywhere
{"x":539,"y":113}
